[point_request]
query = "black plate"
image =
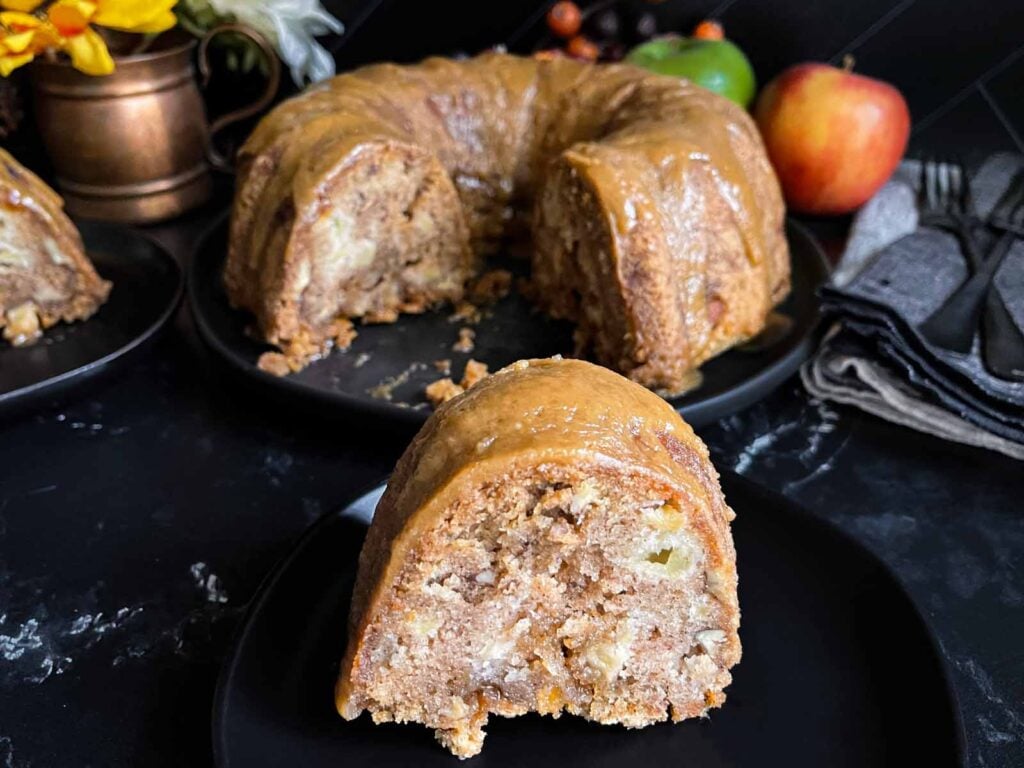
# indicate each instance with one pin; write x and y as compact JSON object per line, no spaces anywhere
{"x":148,"y":284}
{"x":405,"y":351}
{"x":838,"y":668}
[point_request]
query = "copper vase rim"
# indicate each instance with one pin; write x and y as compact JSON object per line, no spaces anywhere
{"x":136,"y":74}
{"x":130,"y":59}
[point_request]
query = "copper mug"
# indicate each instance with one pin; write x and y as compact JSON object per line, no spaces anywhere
{"x":135,"y":146}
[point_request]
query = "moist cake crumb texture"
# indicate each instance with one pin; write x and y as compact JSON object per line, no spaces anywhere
{"x":45,"y":275}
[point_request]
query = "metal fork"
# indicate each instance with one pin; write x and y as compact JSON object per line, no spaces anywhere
{"x":954,"y":324}
{"x":944,"y":200}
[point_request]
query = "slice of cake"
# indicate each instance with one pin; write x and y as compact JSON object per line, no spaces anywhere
{"x":45,"y":275}
{"x":553,"y":540}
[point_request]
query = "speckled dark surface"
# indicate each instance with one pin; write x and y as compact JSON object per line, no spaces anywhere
{"x":137,"y":521}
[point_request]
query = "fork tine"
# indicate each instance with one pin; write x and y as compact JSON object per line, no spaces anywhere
{"x":922,"y":191}
{"x":966,"y":198}
{"x":956,"y":185}
{"x":929,"y":184}
{"x":945,"y":193}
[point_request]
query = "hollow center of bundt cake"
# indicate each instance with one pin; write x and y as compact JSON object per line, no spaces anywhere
{"x":565,"y":591}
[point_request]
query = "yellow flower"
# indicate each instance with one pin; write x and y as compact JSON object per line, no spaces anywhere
{"x":144,"y":16}
{"x":22,"y":36}
{"x":13,"y":53}
{"x":135,"y":15}
{"x":25,"y":6}
{"x":83,"y":44}
{"x":67,"y":26}
{"x":86,"y":48}
{"x":44,"y":35}
{"x":17,"y":21}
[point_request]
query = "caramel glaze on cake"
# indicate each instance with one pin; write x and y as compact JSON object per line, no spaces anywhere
{"x":45,"y":275}
{"x":553,"y":540}
{"x":656,"y":219}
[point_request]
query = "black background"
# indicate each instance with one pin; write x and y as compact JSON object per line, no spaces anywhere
{"x":960,"y":64}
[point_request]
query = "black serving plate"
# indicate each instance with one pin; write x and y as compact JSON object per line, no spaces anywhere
{"x":397,"y":359}
{"x":148,"y":284}
{"x":838,"y":668}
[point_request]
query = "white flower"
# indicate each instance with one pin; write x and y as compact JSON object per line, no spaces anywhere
{"x":291,"y":25}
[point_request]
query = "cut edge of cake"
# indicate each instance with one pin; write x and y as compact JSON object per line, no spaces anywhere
{"x":45,"y":275}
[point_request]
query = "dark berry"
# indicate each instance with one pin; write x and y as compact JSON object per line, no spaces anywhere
{"x":606,"y":24}
{"x":646,"y":26}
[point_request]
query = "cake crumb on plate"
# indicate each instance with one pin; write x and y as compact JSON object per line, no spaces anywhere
{"x":465,"y":342}
{"x":443,"y":390}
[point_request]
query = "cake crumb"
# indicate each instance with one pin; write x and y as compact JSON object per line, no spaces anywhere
{"x":491,"y":286}
{"x":465,"y":342}
{"x":343,"y":333}
{"x":386,"y":388}
{"x":444,"y":366}
{"x":274,"y":363}
{"x":442,"y":390}
{"x":378,"y":317}
{"x":465,"y":312}
{"x":300,"y":352}
{"x":475,"y":372}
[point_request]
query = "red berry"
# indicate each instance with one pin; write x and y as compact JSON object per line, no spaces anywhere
{"x":565,"y":18}
{"x":709,"y":30}
{"x":582,"y":48}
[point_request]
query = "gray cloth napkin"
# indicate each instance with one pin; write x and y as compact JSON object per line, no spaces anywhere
{"x":892,"y":276}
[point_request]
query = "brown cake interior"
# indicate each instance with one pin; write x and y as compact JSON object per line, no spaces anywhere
{"x":386,"y":240}
{"x":45,"y":276}
{"x":556,"y":587}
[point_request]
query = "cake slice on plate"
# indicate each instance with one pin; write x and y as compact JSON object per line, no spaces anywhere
{"x":655,"y":218}
{"x":45,"y":276}
{"x":553,"y":540}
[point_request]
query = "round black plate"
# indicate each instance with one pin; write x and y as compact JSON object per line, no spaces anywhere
{"x":148,"y":284}
{"x":397,"y":359}
{"x":838,"y":668}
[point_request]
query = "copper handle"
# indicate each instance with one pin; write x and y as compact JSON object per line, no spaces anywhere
{"x":216,"y":158}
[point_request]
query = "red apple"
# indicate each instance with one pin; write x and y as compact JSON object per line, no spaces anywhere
{"x":834,"y":137}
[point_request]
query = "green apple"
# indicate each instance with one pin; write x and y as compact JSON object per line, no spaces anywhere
{"x":717,"y":65}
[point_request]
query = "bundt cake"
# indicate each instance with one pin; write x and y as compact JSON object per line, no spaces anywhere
{"x":554,"y":539}
{"x":45,"y":275}
{"x":657,"y":222}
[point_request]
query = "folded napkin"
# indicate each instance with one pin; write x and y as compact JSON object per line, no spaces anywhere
{"x":891,"y":277}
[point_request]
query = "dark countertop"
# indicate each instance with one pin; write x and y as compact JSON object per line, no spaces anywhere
{"x":137,"y":521}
